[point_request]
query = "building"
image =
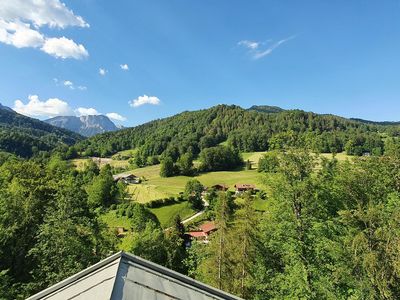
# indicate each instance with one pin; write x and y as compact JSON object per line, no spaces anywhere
{"x":240,"y":188}
{"x":220,"y":187}
{"x":208,"y":227}
{"x":204,"y":231}
{"x":124,"y":276}
{"x":127,"y":178}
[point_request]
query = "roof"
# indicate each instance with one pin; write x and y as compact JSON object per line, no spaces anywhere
{"x":245,"y":186}
{"x":207,"y":227}
{"x":220,"y":186}
{"x":196,"y":234}
{"x":125,"y":276}
{"x":123,"y":176}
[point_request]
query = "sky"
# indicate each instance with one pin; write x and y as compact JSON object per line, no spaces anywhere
{"x":136,"y":61}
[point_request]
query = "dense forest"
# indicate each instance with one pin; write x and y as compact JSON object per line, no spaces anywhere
{"x":27,"y":137}
{"x":245,"y":130}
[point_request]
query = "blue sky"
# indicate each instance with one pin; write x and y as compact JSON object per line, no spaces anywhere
{"x":340,"y":57}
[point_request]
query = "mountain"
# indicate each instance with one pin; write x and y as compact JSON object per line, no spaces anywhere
{"x":246,"y":130}
{"x":266,"y":109}
{"x":5,"y":107}
{"x":84,"y":125}
{"x":25,"y":136}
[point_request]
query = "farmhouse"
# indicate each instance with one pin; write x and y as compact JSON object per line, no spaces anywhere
{"x":220,"y":187}
{"x":204,"y":231}
{"x":127,"y":178}
{"x":240,"y":188}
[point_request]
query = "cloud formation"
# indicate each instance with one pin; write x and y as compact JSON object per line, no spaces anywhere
{"x":83,"y":111}
{"x":69,"y":84}
{"x":54,"y":107}
{"x":142,"y":100}
{"x":21,"y":20}
{"x":64,"y":48}
{"x":124,"y":67}
{"x":37,"y":108}
{"x":102,"y":72}
{"x":256,"y":49}
{"x":115,"y":116}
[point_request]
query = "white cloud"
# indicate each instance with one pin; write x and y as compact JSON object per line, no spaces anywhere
{"x":54,"y":107}
{"x":68,"y":83}
{"x":115,"y":116}
{"x":20,"y":35}
{"x":142,"y":100}
{"x":64,"y":48}
{"x":52,"y":13}
{"x":255,"y":48}
{"x":37,"y":108}
{"x":102,"y":71}
{"x":124,"y":67}
{"x":82,"y":111}
{"x":21,"y":20}
{"x":82,"y":87}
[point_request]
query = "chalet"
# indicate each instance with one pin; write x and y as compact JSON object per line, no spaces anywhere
{"x":240,"y":188}
{"x":203,"y":233}
{"x":220,"y":187}
{"x":127,"y":178}
{"x":208,"y":227}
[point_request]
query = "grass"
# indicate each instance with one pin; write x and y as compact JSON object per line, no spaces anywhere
{"x":114,"y":221}
{"x":166,"y":214}
{"x":156,"y":187}
{"x":253,"y":157}
{"x":80,"y":163}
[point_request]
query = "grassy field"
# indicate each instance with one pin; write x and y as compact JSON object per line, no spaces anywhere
{"x":167,"y":214}
{"x":80,"y":163}
{"x":156,"y":187}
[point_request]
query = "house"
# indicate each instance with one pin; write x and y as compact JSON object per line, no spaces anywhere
{"x":208,"y":227}
{"x":220,"y":187}
{"x":127,"y":178}
{"x":203,"y":233}
{"x":240,"y":188}
{"x":123,"y":276}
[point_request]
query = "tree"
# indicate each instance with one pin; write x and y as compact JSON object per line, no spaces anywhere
{"x":193,"y":192}
{"x":219,"y":158}
{"x":175,"y":246}
{"x":244,"y":236}
{"x":167,"y":167}
{"x":102,"y":191}
{"x":141,"y":216}
{"x":185,"y":164}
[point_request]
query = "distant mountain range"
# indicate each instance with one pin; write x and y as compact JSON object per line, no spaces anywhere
{"x":266,"y":109}
{"x":84,"y":125}
{"x":26,"y":136}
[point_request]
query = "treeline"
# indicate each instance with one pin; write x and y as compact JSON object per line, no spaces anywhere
{"x":26,"y":137}
{"x":244,"y":130}
{"x":219,"y":158}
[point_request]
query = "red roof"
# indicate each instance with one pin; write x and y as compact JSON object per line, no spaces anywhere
{"x":208,"y":227}
{"x":196,"y":234}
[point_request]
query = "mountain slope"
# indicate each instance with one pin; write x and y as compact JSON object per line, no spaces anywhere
{"x":25,"y":136}
{"x":84,"y":125}
{"x":266,"y":109}
{"x":5,"y":107}
{"x":245,"y":130}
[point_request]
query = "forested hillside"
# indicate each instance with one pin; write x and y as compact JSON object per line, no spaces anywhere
{"x":246,"y":130}
{"x":25,"y":136}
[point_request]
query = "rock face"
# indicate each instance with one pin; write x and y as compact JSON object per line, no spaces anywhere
{"x":84,"y":125}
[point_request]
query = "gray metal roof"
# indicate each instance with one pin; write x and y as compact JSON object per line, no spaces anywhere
{"x":124,"y":276}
